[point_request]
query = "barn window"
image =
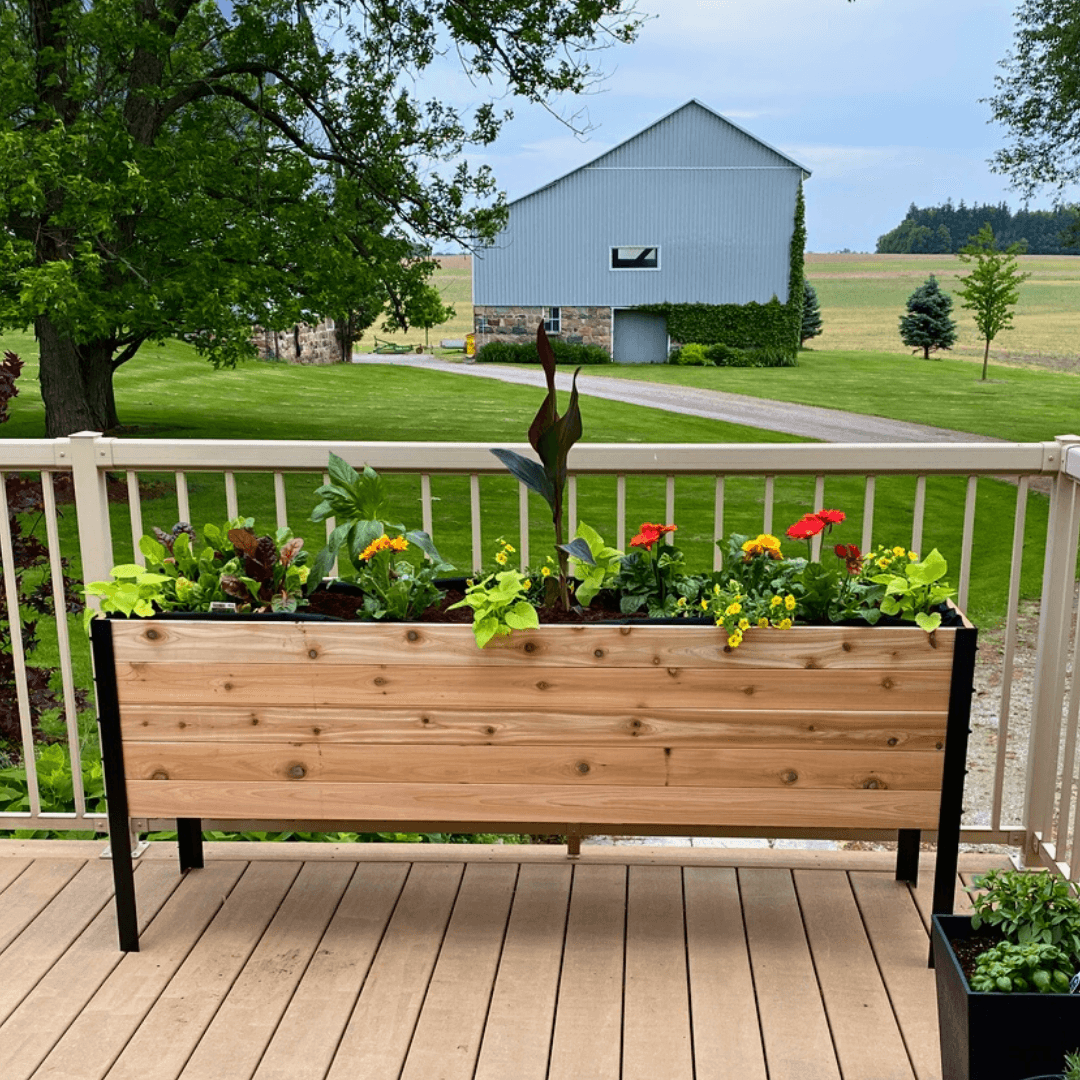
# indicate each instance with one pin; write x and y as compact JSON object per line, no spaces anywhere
{"x":552,"y":321}
{"x":635,"y":258}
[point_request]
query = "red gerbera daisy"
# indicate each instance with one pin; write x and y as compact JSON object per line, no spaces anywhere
{"x":809,"y":526}
{"x":649,"y":534}
{"x":831,"y":517}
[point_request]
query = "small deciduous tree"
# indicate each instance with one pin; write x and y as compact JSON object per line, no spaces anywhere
{"x":928,"y":324}
{"x":811,"y":314}
{"x":425,"y":308}
{"x":992,"y":287}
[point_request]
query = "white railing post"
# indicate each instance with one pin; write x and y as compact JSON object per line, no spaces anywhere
{"x":1055,"y":614}
{"x":91,"y":455}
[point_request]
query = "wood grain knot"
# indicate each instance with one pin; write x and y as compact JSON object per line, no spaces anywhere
{"x":313,"y":653}
{"x":748,"y":691}
{"x":529,"y":646}
{"x":152,"y":635}
{"x":887,"y":684}
{"x":379,"y":680}
{"x":489,"y":730}
{"x":598,"y":653}
{"x":939,"y":746}
{"x":893,"y":741}
{"x":297,"y":772}
{"x":873,"y":784}
{"x":789,"y":777}
{"x":543,"y":685}
{"x":582,"y":767}
{"x":161,"y":774}
{"x":412,"y":635}
{"x":846,"y":646}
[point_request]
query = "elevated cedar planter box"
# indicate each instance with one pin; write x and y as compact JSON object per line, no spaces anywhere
{"x":562,"y":729}
{"x":997,"y":1036}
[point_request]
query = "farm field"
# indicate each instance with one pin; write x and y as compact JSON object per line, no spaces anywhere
{"x":863,"y":296}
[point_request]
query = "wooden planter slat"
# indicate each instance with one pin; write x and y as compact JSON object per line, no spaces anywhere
{"x":572,"y":727}
{"x":554,"y":803}
{"x":593,"y":646}
{"x":572,"y":689}
{"x":671,"y":727}
{"x":651,"y":766}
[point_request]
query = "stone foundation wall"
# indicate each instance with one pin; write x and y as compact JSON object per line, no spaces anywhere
{"x":579,"y":325}
{"x":303,"y":344}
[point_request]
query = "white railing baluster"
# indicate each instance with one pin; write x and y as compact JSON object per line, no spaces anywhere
{"x":280,"y":510}
{"x":718,"y":523}
{"x":620,"y":511}
{"x":135,"y":513}
{"x":669,"y":508}
{"x":770,"y":488}
{"x":819,"y":504}
{"x":868,"y":515}
{"x":425,"y":504}
{"x":1066,"y":850}
{"x":523,"y":523}
{"x":232,"y":507}
{"x":183,"y":506}
{"x":1013,"y":613}
{"x":63,"y":640}
{"x":18,"y":653}
{"x":331,"y":524}
{"x":966,"y":542}
{"x":474,"y":506}
{"x":918,"y":513}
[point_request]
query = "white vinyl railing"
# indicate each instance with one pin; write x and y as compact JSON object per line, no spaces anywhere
{"x":1044,"y":771}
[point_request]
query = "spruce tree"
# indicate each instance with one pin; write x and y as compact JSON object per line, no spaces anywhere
{"x":811,"y":314}
{"x":928,"y":325}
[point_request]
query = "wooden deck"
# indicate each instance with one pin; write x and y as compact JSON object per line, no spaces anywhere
{"x":438,"y":963}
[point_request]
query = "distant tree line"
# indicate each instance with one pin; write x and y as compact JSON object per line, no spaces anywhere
{"x":945,"y":229}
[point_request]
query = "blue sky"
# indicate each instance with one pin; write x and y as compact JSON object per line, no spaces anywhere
{"x":878,"y":98}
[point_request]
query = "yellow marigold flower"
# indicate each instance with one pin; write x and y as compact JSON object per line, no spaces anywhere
{"x":734,"y":639}
{"x":501,"y":558}
{"x":763,"y":622}
{"x":509,"y":547}
{"x":527,"y":583}
{"x":383,"y":543}
{"x":898,"y":551}
{"x":744,"y":624}
{"x":716,"y":590}
{"x":789,"y":602}
{"x":399,"y":543}
{"x":769,"y":542}
{"x":733,"y":609}
{"x":545,"y":571}
{"x":775,"y":602}
{"x":751,"y":546}
{"x":704,"y":605}
{"x":913,"y":556}
{"x":785,"y":624}
{"x":681,"y":602}
{"x":884,"y":563}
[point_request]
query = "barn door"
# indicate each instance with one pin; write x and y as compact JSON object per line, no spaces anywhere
{"x":640,"y":338}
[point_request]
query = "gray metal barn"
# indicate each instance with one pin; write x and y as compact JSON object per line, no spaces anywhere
{"x":692,"y":210}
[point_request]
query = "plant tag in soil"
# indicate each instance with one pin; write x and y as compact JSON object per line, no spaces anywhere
{"x":1074,"y":983}
{"x":221,"y":605}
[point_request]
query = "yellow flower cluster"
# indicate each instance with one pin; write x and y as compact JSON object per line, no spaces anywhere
{"x":383,"y":543}
{"x":502,"y":556}
{"x":762,"y":544}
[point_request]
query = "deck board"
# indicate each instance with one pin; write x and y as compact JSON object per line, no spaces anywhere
{"x":334,"y":961}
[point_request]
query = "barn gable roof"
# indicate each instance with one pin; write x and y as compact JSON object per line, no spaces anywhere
{"x":734,"y":148}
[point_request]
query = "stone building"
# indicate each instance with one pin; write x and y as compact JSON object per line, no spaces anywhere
{"x":303,"y":344}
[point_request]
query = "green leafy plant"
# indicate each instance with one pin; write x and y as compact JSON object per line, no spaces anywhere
{"x":916,"y":591}
{"x":1072,"y":1066}
{"x":359,"y":505}
{"x":500,"y":601}
{"x":55,"y":786}
{"x":393,"y":587}
{"x":656,"y":580}
{"x":1009,"y":968}
{"x":525,"y":352}
{"x":132,"y":591}
{"x":551,"y":436}
{"x":1027,"y":907}
{"x":601,"y":573}
{"x":690,"y":355}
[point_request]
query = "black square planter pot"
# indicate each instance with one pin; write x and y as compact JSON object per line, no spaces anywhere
{"x":997,"y":1036}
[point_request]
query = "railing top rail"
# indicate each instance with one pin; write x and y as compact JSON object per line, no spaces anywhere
{"x":752,"y":459}
{"x":35,"y":454}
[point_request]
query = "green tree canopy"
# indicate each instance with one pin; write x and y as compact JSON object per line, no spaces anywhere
{"x":928,"y":324}
{"x":992,"y":287}
{"x":173,"y":168}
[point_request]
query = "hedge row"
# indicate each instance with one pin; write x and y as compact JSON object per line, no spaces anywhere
{"x":505,"y":352}
{"x":727,"y":356}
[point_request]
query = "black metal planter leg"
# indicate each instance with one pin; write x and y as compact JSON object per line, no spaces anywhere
{"x":189,"y":842}
{"x":907,"y":855}
{"x":112,"y":762}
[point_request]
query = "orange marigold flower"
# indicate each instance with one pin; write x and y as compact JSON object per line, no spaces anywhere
{"x":383,"y":543}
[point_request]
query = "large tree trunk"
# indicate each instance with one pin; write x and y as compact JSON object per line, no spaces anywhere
{"x":76,"y":382}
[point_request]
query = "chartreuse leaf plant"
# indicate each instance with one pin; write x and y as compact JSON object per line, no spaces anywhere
{"x":500,"y":601}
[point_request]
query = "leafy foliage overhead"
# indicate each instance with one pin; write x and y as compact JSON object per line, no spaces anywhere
{"x":170,"y":168}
